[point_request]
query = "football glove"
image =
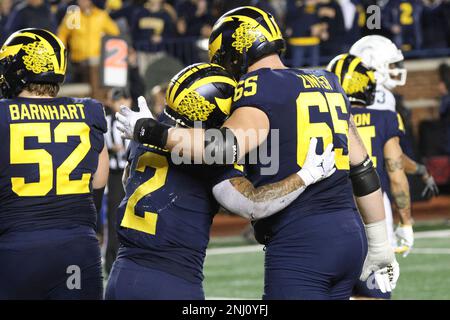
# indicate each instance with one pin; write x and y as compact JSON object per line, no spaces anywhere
{"x":405,"y":239}
{"x":127,"y":118}
{"x":380,"y":260}
{"x":317,"y":167}
{"x":431,"y":189}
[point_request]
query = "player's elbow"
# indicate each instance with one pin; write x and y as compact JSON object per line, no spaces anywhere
{"x":364,"y":178}
{"x":233,"y":201}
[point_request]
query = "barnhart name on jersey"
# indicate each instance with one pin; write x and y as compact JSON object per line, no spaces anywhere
{"x":46,"y":112}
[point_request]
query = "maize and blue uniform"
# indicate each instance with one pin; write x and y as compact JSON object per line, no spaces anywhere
{"x":163,"y":225}
{"x":376,"y":127}
{"x":315,"y":248}
{"x":48,"y":157}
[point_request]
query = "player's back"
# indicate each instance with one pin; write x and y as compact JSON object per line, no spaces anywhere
{"x":165,"y":218}
{"x":375,"y":128}
{"x":301,"y":104}
{"x":47,"y":162}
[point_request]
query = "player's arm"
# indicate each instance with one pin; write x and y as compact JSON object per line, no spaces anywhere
{"x":414,"y":168}
{"x":400,"y":193}
{"x":244,"y":130}
{"x":380,"y":258}
{"x":399,"y":182}
{"x":239,"y":196}
{"x":100,"y":178}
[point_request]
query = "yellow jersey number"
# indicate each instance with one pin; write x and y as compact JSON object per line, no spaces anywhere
{"x":406,"y":14}
{"x":20,"y":155}
{"x":246,"y":88}
{"x":306,"y":129}
{"x":147,"y":223}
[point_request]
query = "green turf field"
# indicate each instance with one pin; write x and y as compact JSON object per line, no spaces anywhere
{"x":234,"y":269}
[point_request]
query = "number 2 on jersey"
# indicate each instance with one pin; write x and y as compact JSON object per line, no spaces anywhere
{"x":147,"y":223}
{"x":306,"y":129}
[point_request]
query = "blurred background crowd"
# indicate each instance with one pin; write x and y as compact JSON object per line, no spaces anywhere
{"x":316,"y":30}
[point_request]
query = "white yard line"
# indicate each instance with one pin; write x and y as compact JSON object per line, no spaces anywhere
{"x":418,"y":235}
{"x":430,"y":251}
{"x":232,"y":250}
{"x":432,"y":234}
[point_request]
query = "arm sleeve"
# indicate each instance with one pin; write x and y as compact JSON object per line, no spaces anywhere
{"x":234,"y":201}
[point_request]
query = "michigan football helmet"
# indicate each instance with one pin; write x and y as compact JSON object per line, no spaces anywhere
{"x":200,"y":92}
{"x":381,"y":54}
{"x":31,"y":56}
{"x":357,"y":80}
{"x":241,"y":37}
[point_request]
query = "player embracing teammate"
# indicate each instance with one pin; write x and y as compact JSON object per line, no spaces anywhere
{"x":316,"y":248}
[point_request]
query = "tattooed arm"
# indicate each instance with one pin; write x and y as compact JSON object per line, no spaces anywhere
{"x":411,"y":167}
{"x":399,"y":183}
{"x":239,"y":196}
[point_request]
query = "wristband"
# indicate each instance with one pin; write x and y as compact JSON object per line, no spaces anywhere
{"x":421,"y":170}
{"x":152,"y":132}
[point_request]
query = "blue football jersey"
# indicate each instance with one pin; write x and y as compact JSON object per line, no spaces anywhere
{"x":300,"y":104}
{"x":165,"y":218}
{"x":48,"y":158}
{"x":376,"y":127}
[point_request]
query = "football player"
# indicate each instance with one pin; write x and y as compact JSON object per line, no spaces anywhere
{"x":165,"y":218}
{"x":316,"y":247}
{"x":51,"y":159}
{"x":382,"y":55}
{"x":380,"y":131}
